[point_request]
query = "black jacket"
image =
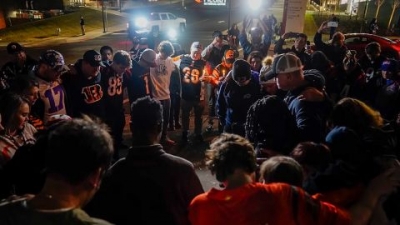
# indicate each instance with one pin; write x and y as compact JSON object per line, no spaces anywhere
{"x":334,"y":54}
{"x":310,"y":117}
{"x":149,"y":186}
{"x":304,"y":57}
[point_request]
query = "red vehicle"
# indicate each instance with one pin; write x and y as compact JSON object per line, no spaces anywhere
{"x":358,"y":41}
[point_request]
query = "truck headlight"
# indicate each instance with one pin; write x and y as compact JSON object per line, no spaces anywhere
{"x":141,"y":22}
{"x":172,"y":34}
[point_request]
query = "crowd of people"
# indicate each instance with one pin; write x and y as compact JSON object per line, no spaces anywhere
{"x":307,"y":136}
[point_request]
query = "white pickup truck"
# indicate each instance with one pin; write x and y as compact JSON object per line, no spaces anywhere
{"x":157,"y":22}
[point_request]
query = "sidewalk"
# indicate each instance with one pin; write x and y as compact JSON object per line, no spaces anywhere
{"x":55,"y":40}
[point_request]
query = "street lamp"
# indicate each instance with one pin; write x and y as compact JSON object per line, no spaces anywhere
{"x":102,"y":16}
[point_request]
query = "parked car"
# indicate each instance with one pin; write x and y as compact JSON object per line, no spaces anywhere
{"x":156,"y":23}
{"x":358,"y":41}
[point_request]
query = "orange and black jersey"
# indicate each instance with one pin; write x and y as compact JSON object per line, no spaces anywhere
{"x":190,"y":72}
{"x":112,"y":84}
{"x":219,"y":73}
{"x":138,"y":82}
{"x":85,"y":96}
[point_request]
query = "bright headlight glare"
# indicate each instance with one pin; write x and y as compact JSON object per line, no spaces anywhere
{"x":255,"y":4}
{"x":172,"y":34}
{"x":140,"y":22}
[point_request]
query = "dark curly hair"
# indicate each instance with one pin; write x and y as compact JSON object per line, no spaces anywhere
{"x":84,"y":137}
{"x":270,"y":125}
{"x":146,"y":114}
{"x":229,"y":152}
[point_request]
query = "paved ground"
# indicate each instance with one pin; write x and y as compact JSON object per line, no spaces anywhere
{"x":194,"y":151}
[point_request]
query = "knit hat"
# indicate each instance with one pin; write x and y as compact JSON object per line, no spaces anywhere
{"x":241,"y":69}
{"x":315,"y":78}
{"x":263,"y":79}
{"x":148,"y":56}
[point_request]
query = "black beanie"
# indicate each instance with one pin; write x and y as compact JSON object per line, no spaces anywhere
{"x":240,"y":69}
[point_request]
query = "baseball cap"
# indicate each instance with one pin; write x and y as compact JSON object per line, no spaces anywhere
{"x":315,"y":78}
{"x":390,"y":65}
{"x":284,"y":63}
{"x":241,"y":70}
{"x":217,"y":33}
{"x":54,"y":59}
{"x":196,"y":46}
{"x":148,"y":56}
{"x":93,"y":58}
{"x":14,"y":47}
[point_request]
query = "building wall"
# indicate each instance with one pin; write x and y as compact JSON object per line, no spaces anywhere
{"x":2,"y":20}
